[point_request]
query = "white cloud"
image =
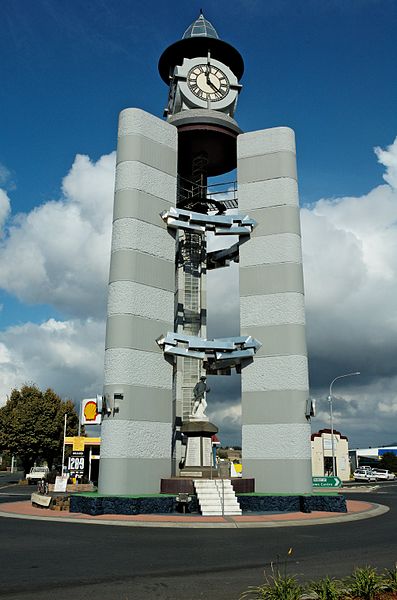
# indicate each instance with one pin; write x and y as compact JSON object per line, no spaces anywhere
{"x":64,"y":355}
{"x":227,"y":416}
{"x":89,"y":186}
{"x":232,"y":412}
{"x":366,"y":414}
{"x":4,"y":174}
{"x":5,"y":209}
{"x":388,"y":158}
{"x":58,"y":253}
{"x":350,"y":265}
{"x":349,"y":252}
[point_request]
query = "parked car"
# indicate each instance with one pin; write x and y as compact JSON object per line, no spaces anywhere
{"x":364,"y":475}
{"x":383,"y":474}
{"x":37,"y":473}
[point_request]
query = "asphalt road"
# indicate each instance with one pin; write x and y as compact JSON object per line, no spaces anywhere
{"x":67,"y":560}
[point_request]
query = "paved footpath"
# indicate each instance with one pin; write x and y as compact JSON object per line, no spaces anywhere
{"x":356,"y":510}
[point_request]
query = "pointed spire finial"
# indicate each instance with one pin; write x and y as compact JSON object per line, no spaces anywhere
{"x":201,"y":27}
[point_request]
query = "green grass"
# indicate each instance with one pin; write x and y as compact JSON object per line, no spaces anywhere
{"x":308,"y":495}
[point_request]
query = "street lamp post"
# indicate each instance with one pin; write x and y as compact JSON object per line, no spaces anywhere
{"x":331,"y":416}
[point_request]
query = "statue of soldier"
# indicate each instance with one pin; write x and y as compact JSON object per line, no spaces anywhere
{"x":200,"y":404}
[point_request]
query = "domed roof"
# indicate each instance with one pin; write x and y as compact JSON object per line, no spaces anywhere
{"x":199,"y":39}
{"x":200,"y":28}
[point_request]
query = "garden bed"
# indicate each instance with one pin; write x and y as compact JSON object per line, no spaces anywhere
{"x":365,"y":583}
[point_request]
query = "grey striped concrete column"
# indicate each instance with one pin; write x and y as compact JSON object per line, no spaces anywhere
{"x":136,"y":437}
{"x":275,"y":431}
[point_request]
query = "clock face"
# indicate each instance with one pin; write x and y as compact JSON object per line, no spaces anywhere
{"x":208,"y":82}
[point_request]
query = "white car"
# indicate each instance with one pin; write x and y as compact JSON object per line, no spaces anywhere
{"x":383,"y":474}
{"x":364,"y":475}
{"x":37,"y":473}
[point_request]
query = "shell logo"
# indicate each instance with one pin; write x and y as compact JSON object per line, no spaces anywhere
{"x":90,"y":412}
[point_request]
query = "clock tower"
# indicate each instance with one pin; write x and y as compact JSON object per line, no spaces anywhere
{"x":157,"y":354}
{"x":203,"y":74}
{"x":202,"y":71}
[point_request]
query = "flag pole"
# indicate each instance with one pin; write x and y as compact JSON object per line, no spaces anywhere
{"x":63,"y":447}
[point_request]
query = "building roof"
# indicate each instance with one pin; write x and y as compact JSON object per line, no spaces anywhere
{"x":320,"y":433}
{"x":201,"y":27}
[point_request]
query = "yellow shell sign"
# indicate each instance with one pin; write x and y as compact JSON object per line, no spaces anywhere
{"x":89,"y":412}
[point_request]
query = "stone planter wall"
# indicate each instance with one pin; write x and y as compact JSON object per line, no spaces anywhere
{"x":76,"y":487}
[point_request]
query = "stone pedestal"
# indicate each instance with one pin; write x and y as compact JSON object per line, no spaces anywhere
{"x":198,"y":449}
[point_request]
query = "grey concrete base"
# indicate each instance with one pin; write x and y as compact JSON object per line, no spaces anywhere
{"x":132,"y":476}
{"x":280,"y":476}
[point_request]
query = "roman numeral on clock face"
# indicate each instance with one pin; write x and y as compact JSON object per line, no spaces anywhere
{"x":208,"y":82}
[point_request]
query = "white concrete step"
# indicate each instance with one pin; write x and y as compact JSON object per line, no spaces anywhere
{"x":206,"y":486}
{"x":212,"y":494}
{"x":213,"y":513}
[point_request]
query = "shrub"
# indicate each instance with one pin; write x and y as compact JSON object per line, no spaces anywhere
{"x":277,"y":586}
{"x":326,"y":589}
{"x":366,"y":583}
{"x":390,"y":579}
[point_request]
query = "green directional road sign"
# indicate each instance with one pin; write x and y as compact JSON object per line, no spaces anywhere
{"x":327,"y":482}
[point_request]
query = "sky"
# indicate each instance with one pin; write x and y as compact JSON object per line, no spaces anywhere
{"x":325,"y":68}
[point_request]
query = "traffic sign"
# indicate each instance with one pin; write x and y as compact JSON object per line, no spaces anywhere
{"x":327,"y":482}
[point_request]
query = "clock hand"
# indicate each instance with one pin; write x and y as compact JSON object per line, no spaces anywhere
{"x":212,"y":85}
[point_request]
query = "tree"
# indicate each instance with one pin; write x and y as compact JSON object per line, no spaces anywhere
{"x":222,"y":453}
{"x":389,"y":461}
{"x":31,"y":425}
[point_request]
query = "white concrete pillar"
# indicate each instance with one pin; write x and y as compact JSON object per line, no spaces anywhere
{"x":275,"y":432}
{"x":136,"y":436}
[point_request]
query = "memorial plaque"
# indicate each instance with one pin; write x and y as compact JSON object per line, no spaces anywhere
{"x":193,"y":452}
{"x":207,"y":452}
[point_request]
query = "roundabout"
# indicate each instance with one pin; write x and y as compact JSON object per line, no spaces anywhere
{"x":356,"y":510}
